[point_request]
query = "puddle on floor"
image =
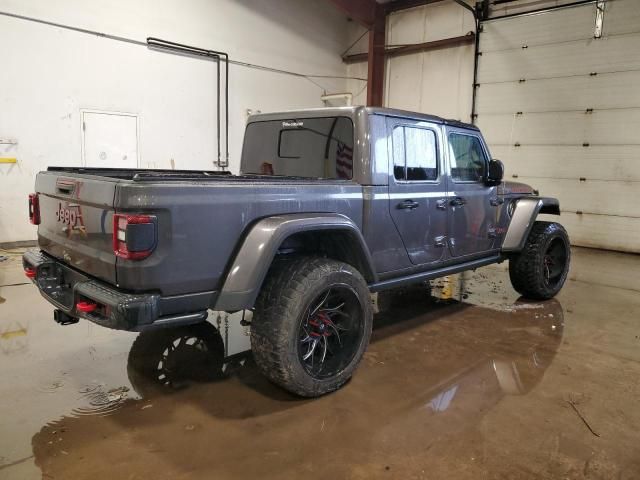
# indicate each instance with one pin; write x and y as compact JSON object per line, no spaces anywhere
{"x":462,"y":380}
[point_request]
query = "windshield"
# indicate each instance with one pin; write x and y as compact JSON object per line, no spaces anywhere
{"x":300,"y":147}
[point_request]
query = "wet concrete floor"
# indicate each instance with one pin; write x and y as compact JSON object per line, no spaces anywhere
{"x":468,"y":382}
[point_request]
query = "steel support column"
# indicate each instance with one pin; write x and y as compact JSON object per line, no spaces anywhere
{"x":376,"y":60}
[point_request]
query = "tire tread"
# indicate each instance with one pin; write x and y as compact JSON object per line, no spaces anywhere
{"x":525,"y":269}
{"x":287,"y":284}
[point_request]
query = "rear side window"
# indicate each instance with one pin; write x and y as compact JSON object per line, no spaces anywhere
{"x":319,"y":148}
{"x":467,"y":158}
{"x":415,"y":155}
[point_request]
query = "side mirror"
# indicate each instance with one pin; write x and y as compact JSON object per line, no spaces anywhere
{"x":496,"y":172}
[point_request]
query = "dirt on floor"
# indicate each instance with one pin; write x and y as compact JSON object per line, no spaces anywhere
{"x":462,"y":381}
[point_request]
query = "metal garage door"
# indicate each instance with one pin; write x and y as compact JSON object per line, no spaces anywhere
{"x":562,"y":110}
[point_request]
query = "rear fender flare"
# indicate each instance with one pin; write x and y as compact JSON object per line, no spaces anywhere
{"x":255,"y":256}
{"x":524,"y":215}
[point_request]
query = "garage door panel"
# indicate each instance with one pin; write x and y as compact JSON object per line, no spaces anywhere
{"x":542,"y":29}
{"x":595,"y":197}
{"x":621,"y":16}
{"x":497,"y":129}
{"x":524,"y":6}
{"x":570,"y":24}
{"x":566,"y":108}
{"x":605,"y":163}
{"x":577,"y":58}
{"x":619,"y":90}
{"x":604,"y":127}
{"x":598,"y":231}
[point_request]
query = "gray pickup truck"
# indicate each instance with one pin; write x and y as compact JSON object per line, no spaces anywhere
{"x":330,"y":205}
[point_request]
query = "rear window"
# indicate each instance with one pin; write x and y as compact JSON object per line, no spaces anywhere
{"x":301,"y":147}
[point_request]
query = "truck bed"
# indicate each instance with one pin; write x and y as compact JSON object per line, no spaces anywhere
{"x":200,"y":218}
{"x":157,"y":175}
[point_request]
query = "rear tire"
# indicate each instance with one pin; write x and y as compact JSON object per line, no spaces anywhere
{"x":312,"y":324}
{"x":540,"y":270}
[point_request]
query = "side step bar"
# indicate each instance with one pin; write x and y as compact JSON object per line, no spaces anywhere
{"x":436,"y":273}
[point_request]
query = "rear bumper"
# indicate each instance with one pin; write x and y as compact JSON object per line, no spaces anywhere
{"x":64,"y":287}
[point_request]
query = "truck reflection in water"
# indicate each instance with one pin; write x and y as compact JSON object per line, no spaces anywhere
{"x":161,"y":361}
{"x":435,"y":369}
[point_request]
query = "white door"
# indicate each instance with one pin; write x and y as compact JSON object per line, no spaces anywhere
{"x":562,"y":110}
{"x":109,"y":139}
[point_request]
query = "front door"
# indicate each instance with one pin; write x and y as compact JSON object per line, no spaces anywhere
{"x":417,"y":188}
{"x":472,"y":215}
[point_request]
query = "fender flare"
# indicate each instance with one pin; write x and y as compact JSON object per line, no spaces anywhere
{"x":255,"y":256}
{"x":524,"y":215}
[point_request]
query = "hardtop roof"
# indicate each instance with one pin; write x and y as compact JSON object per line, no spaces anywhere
{"x":355,"y":111}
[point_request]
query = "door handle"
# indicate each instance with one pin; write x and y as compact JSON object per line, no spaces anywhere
{"x":408,"y":205}
{"x":458,"y":202}
{"x":496,"y":201}
{"x":441,"y":204}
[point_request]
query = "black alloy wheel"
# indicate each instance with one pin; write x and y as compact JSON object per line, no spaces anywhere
{"x":331,"y":331}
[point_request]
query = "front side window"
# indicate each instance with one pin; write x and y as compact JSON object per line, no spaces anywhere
{"x":467,"y":158}
{"x":319,"y":148}
{"x":415,"y":156}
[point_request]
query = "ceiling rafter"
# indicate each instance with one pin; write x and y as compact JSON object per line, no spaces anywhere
{"x":362,"y":11}
{"x":397,"y":5}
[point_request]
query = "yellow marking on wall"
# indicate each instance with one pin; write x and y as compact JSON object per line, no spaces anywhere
{"x":8,"y":160}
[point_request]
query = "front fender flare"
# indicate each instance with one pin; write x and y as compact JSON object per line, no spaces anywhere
{"x":259,"y":247}
{"x":524,"y":215}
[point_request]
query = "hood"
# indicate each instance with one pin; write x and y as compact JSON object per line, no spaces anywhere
{"x":512,"y":188}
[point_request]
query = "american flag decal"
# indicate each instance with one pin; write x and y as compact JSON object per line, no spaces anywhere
{"x":344,"y":161}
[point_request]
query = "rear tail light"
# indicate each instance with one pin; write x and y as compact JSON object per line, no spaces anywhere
{"x":34,"y":209}
{"x":30,"y":272}
{"x":134,"y":236}
{"x":86,"y":307}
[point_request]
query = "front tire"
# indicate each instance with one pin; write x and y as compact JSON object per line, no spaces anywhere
{"x":311,"y":325}
{"x":540,"y":270}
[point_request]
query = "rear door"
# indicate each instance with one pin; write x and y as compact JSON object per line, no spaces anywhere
{"x":472,"y":216}
{"x":417,"y":188}
{"x":76,"y":221}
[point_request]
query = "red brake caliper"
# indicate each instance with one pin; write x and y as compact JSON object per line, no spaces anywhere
{"x":321,"y":324}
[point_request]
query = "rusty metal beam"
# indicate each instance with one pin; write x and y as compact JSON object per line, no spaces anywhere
{"x":362,"y":11}
{"x":373,"y":16}
{"x":375,"y":58}
{"x":416,"y":47}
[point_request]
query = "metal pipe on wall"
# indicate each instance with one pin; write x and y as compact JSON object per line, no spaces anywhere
{"x":180,"y":48}
{"x":191,"y":51}
{"x":476,"y":55}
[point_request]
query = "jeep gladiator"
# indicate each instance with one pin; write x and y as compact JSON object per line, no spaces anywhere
{"x":330,"y":205}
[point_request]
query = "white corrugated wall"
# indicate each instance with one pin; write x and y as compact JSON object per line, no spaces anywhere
{"x":437,"y":82}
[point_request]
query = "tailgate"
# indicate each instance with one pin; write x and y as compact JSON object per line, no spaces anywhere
{"x":76,"y":221}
